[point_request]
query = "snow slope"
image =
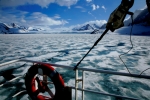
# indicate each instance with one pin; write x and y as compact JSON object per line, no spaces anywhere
{"x":141,"y":23}
{"x":137,"y":30}
{"x":141,"y":17}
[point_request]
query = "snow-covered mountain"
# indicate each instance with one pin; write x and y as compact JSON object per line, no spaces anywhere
{"x":83,"y":28}
{"x":141,"y":17}
{"x":87,"y":27}
{"x":13,"y":25}
{"x":96,"y":26}
{"x":141,"y":23}
{"x":103,"y":26}
{"x":4,"y":28}
{"x":16,"y":29}
{"x":12,"y":28}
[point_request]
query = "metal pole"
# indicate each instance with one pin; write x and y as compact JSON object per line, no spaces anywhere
{"x":83,"y":84}
{"x":76,"y":84}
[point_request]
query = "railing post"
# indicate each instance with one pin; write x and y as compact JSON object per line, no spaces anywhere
{"x":83,"y":84}
{"x":76,"y":84}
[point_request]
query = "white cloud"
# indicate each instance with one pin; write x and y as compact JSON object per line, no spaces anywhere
{"x":12,"y":15}
{"x":69,"y":29}
{"x":80,"y":7}
{"x":94,"y":7}
{"x":57,"y":16}
{"x":88,"y":1}
{"x":97,"y":22}
{"x":36,"y":19}
{"x":91,"y":14}
{"x":42,"y":3}
{"x":67,"y":3}
{"x":97,"y":6}
{"x":103,"y":7}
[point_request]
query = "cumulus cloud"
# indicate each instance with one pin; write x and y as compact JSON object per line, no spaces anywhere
{"x":36,"y":19}
{"x":94,"y":7}
{"x":42,"y":3}
{"x":88,"y":1}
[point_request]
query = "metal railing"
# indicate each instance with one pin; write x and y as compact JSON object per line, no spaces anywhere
{"x":77,"y":80}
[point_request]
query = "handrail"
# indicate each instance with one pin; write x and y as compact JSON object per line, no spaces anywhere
{"x":105,"y":93}
{"x":84,"y":69}
{"x":9,"y":62}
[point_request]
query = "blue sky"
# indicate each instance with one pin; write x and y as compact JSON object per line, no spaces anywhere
{"x":51,"y":14}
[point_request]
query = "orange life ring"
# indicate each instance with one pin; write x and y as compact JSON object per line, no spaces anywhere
{"x":52,"y":74}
